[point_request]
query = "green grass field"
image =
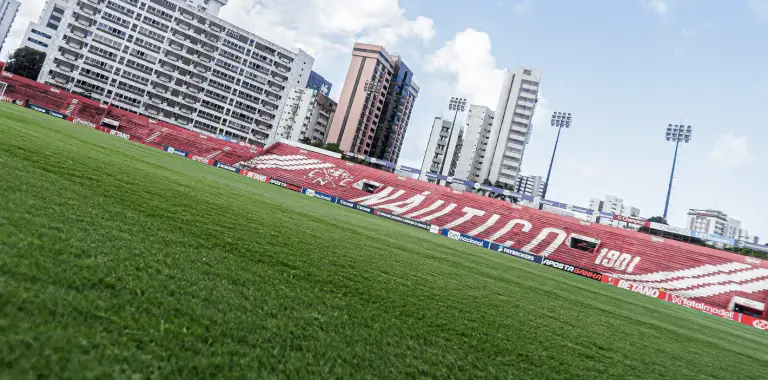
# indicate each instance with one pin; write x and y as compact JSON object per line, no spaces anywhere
{"x":122,"y":261}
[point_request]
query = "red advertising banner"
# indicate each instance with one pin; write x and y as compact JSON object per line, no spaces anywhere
{"x":754,"y":322}
{"x":642,"y":289}
{"x":632,"y":220}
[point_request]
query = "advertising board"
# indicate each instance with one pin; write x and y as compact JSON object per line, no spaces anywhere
{"x":465,"y":238}
{"x":516,"y":253}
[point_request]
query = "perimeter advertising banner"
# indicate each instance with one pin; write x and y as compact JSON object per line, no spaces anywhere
{"x":572,"y":269}
{"x":286,"y":185}
{"x":355,"y":206}
{"x":632,"y":220}
{"x":175,"y":151}
{"x":700,"y":306}
{"x":256,"y":176}
{"x":224,"y":166}
{"x":46,"y":111}
{"x":516,"y":253}
{"x":465,"y":238}
{"x":319,"y":195}
{"x":642,"y":289}
{"x":754,"y":322}
{"x":404,"y":220}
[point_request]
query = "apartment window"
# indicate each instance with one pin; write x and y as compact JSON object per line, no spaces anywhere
{"x":111,"y":30}
{"x":135,"y":77}
{"x":53,"y":26}
{"x":36,"y":41}
{"x":58,"y":10}
{"x":131,"y":88}
{"x":152,"y":34}
{"x":148,"y":45}
{"x":94,"y":74}
{"x":116,"y":19}
{"x":127,"y":99}
{"x":39,"y":33}
{"x":107,"y":41}
{"x":102,"y":52}
{"x":55,"y":18}
{"x":526,"y":72}
{"x":139,"y":66}
{"x":95,"y":62}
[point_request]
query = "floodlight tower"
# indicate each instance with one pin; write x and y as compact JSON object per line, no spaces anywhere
{"x":559,"y":120}
{"x":677,"y":133}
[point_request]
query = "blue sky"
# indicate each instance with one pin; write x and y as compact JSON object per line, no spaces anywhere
{"x":624,"y":68}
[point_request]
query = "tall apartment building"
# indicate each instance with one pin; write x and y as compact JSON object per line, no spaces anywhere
{"x":375,"y":104}
{"x":8,"y":10}
{"x":39,"y":35}
{"x":478,"y":125}
{"x":509,"y":132}
{"x":714,"y":222}
{"x":612,"y":205}
{"x":442,"y":151}
{"x":307,"y":114}
{"x":319,"y":84}
{"x":532,"y":185}
{"x":177,"y":62}
{"x":396,"y":113}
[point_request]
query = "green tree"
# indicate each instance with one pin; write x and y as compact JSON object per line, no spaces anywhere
{"x":305,"y":140}
{"x":333,"y":148}
{"x":26,"y":62}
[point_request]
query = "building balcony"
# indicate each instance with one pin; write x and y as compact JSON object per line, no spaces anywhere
{"x":160,"y":88}
{"x":65,"y":66}
{"x":62,"y":78}
{"x":176,"y":46}
{"x":189,"y":99}
{"x":84,"y":21}
{"x":187,"y":14}
{"x":520,"y":129}
{"x":69,"y":54}
{"x":164,"y":78}
{"x":88,"y":8}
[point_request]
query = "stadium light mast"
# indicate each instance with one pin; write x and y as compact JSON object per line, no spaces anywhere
{"x":457,"y":105}
{"x":559,"y":120}
{"x":677,"y":133}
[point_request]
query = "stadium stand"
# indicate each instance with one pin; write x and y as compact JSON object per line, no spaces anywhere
{"x":708,"y":275}
{"x":700,"y":273}
{"x":140,"y":128}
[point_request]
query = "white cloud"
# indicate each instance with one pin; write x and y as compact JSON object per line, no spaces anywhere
{"x":730,"y":151}
{"x":659,"y":6}
{"x":327,"y":26}
{"x":28,"y":11}
{"x":468,"y":57}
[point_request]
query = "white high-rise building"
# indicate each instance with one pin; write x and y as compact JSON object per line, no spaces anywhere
{"x":511,"y":129}
{"x":8,"y":10}
{"x":499,"y":137}
{"x":443,"y":148}
{"x":307,"y":114}
{"x":39,"y":35}
{"x":479,"y":121}
{"x":612,"y":205}
{"x":714,"y":222}
{"x":532,"y":185}
{"x":177,"y":62}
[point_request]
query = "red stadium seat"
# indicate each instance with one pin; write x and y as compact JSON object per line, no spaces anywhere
{"x":700,"y":273}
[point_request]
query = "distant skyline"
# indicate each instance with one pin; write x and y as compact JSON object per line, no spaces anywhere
{"x":625,"y":69}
